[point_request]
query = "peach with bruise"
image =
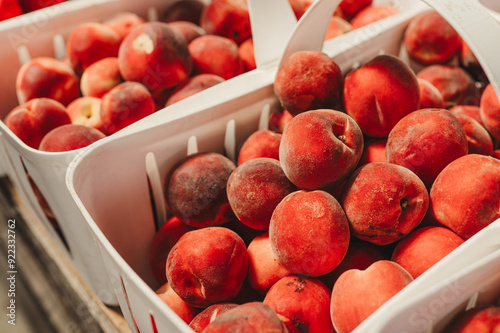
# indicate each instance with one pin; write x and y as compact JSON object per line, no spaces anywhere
{"x":247,"y":318}
{"x":186,"y":10}
{"x":196,"y":189}
{"x":359,"y":293}
{"x":478,"y":139}
{"x":185,"y":311}
{"x":456,"y":85}
{"x":424,"y":247}
{"x":309,"y":233}
{"x":86,"y":111}
{"x":247,"y":54}
{"x":430,"y":96}
{"x":255,"y":188}
{"x":193,"y":85}
{"x":319,"y":149}
{"x":227,"y":18}
{"x":308,"y":80}
{"x":162,"y":243}
{"x":188,"y":29}
{"x":371,"y":14}
{"x":47,"y":77}
{"x":336,"y":27}
{"x":216,"y":55}
{"x":31,"y":121}
{"x":264,"y":270}
{"x":156,"y":55}
{"x":100,"y":77}
{"x":89,"y":42}
{"x":123,"y":22}
{"x":489,"y":111}
{"x":205,"y":317}
{"x":374,"y":107}
{"x":301,"y":303}
{"x":430,"y":39}
{"x":384,"y":202}
{"x":469,"y":205}
{"x":373,"y":151}
{"x":125,"y":104}
{"x":70,"y":137}
{"x":261,"y":143}
{"x":480,"y":319}
{"x":207,"y":266}
{"x":426,"y":141}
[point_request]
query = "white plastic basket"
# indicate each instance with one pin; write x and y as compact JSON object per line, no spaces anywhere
{"x":110,"y":181}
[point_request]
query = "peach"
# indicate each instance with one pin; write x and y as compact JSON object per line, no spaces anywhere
{"x":31,"y":121}
{"x":351,"y":7}
{"x":430,"y":39}
{"x":371,"y":14}
{"x":188,"y":29}
{"x":302,"y":304}
{"x":156,"y":55}
{"x":123,"y":22}
{"x":125,"y":104}
{"x":205,"y":317}
{"x":469,"y":205}
{"x":32,"y":5}
{"x":196,"y":189}
{"x":358,"y":293}
{"x":480,"y":319}
{"x":191,"y":86}
{"x":496,"y":153}
{"x":278,"y":119}
{"x":261,"y":143}
{"x":375,"y":107}
{"x":216,"y":55}
{"x":430,"y":96}
{"x":207,"y":266}
{"x":47,"y":77}
{"x":227,"y":18}
{"x":454,"y":83}
{"x":100,"y":77}
{"x":309,"y":233}
{"x":86,"y":111}
{"x":185,"y":311}
{"x":89,"y":42}
{"x":467,"y":110}
{"x":308,"y":80}
{"x":264,"y":270}
{"x":247,"y":318}
{"x":424,"y":247}
{"x":186,"y":10}
{"x":373,"y":151}
{"x":165,"y":238}
{"x":319,"y":149}
{"x":426,"y":141}
{"x":337,"y":26}
{"x":9,"y":9}
{"x":384,"y":202}
{"x":489,"y":111}
{"x":247,"y":54}
{"x":255,"y":188}
{"x":69,"y":137}
{"x":478,"y":138}
{"x":469,"y":62}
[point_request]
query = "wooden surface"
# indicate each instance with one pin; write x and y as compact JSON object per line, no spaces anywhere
{"x":49,"y":295}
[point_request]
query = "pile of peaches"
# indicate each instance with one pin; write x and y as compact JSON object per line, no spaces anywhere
{"x":363,"y":181}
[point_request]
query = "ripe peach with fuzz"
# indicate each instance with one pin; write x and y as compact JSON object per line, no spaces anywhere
{"x":371,"y":14}
{"x":70,"y":137}
{"x":261,"y":143}
{"x":430,"y":96}
{"x":478,"y":139}
{"x":489,"y":111}
{"x":205,"y":317}
{"x":193,"y":85}
{"x":123,"y":22}
{"x":185,"y":311}
{"x":100,"y":77}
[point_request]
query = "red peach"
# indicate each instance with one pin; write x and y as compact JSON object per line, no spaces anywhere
{"x":467,"y":110}
{"x":425,"y":141}
{"x":31,"y":121}
{"x":69,"y":137}
{"x":10,"y":9}
{"x":47,"y":77}
{"x":469,"y":205}
{"x":455,"y":84}
{"x":351,"y":7}
{"x":188,"y":29}
{"x":186,"y":10}
{"x":89,"y":42}
{"x":358,"y":293}
{"x":430,"y":39}
{"x":373,"y":151}
{"x":424,"y":247}
{"x":478,"y":138}
{"x":156,"y":55}
{"x":191,"y":86}
{"x":216,"y":55}
{"x":207,"y":266}
{"x":430,"y":96}
{"x":227,"y":18}
{"x":374,"y":107}
{"x":123,"y":22}
{"x":309,"y":233}
{"x":255,"y":188}
{"x":469,"y":62}
{"x":185,"y":311}
{"x":205,"y":317}
{"x":337,"y":26}
{"x":489,"y":111}
{"x":264,"y":270}
{"x":125,"y":104}
{"x":384,"y":202}
{"x":371,"y":14}
{"x":247,"y":54}
{"x":32,"y":5}
{"x":480,"y":319}
{"x":100,"y":77}
{"x":278,"y":119}
{"x":261,"y":143}
{"x":85,"y":111}
{"x":308,"y":80}
{"x":196,"y":189}
{"x":319,"y":149}
{"x":302,"y":304}
{"x":496,"y":153}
